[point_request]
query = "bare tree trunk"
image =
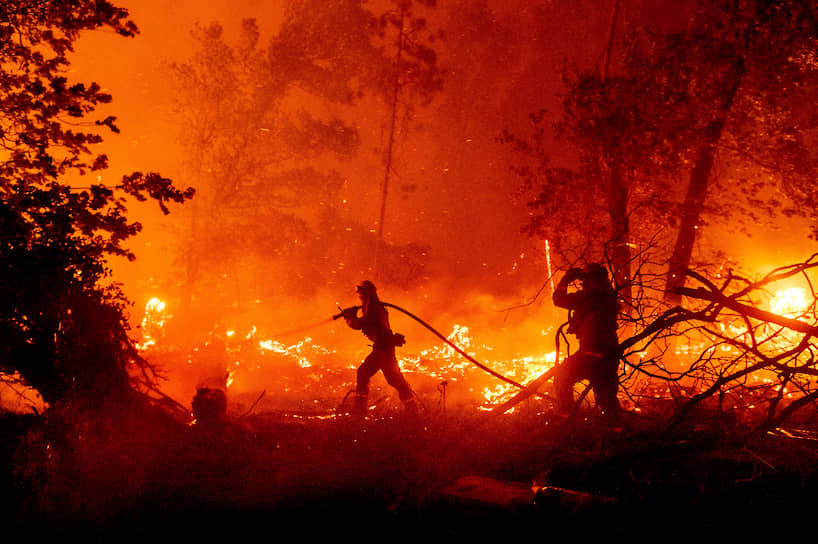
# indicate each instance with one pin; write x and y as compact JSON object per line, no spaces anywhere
{"x":390,"y":142}
{"x":620,"y":254}
{"x":697,"y":187}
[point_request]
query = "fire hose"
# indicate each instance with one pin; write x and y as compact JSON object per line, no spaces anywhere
{"x":450,"y":343}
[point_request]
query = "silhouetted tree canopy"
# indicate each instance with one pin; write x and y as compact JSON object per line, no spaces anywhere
{"x":268,"y":131}
{"x":709,"y":122}
{"x":62,"y":324}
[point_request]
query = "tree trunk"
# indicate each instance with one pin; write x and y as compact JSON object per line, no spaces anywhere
{"x":697,"y":188}
{"x":694,"y":201}
{"x":390,"y":143}
{"x":620,"y":254}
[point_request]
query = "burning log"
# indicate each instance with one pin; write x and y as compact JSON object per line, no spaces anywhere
{"x":530,"y":389}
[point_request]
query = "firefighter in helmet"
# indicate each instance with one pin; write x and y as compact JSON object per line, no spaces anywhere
{"x":374,"y":323}
{"x":592,"y":318}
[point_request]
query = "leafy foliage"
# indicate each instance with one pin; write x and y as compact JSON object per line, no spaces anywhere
{"x":415,"y":71}
{"x":61,"y":326}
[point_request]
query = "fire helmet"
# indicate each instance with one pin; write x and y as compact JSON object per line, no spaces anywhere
{"x":366,"y":287}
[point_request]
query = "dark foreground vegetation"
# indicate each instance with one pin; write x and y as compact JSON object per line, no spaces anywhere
{"x":138,"y":474}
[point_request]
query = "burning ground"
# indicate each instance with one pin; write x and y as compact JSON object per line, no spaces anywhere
{"x":288,"y":457}
{"x":311,"y":371}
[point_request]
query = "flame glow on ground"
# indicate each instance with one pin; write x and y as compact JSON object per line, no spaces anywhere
{"x":738,"y":342}
{"x":306,"y":376}
{"x":290,"y":373}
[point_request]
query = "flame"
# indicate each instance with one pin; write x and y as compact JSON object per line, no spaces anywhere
{"x":548,"y":264}
{"x":249,"y":360}
{"x":16,"y":396}
{"x":789,"y":302}
{"x":298,"y":350}
{"x":153,"y":323}
{"x":443,"y":362}
{"x":256,"y":361}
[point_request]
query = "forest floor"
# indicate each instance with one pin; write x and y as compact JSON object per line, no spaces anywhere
{"x":460,"y":474}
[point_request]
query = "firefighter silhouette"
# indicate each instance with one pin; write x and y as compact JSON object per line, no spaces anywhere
{"x":374,"y":323}
{"x":592,"y":319}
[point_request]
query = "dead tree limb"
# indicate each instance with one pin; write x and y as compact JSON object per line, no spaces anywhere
{"x":750,"y":347}
{"x":749,"y":311}
{"x":532,"y":388}
{"x":526,"y":392}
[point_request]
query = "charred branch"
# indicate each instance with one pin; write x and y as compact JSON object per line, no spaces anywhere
{"x":759,"y":344}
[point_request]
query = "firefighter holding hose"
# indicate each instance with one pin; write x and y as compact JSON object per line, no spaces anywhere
{"x":592,"y":318}
{"x":374,"y":323}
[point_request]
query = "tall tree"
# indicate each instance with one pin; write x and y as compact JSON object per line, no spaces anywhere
{"x":412,"y":77}
{"x":728,"y":87}
{"x":62,"y":322}
{"x":597,"y":179}
{"x":622,"y":171}
{"x":268,"y":131}
{"x":738,"y":63}
{"x":259,"y":147}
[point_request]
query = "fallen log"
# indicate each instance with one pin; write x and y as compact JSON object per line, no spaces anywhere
{"x":479,"y":494}
{"x":568,"y":501}
{"x":527,"y":391}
